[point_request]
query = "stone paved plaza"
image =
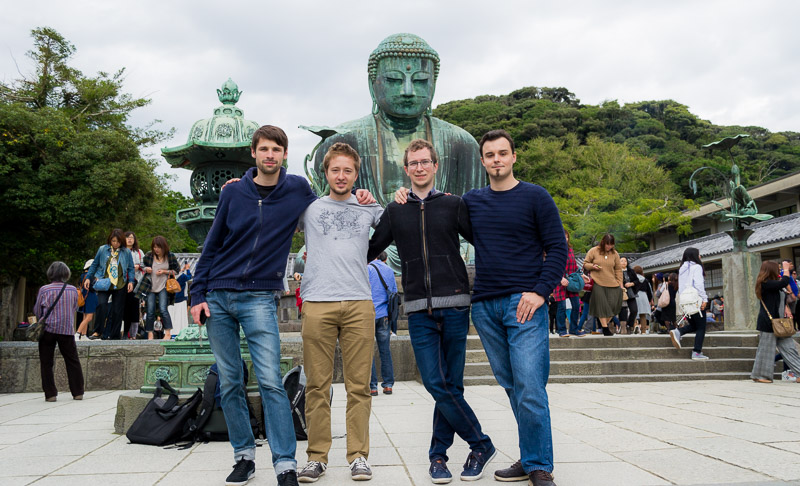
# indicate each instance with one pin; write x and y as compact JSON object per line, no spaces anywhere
{"x":700,"y":432}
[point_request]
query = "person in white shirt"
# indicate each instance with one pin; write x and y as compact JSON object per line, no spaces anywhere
{"x":691,"y":288}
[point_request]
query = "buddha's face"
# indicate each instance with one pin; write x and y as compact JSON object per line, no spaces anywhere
{"x":404,"y":86}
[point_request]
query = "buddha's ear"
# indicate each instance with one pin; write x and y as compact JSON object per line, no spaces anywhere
{"x":371,"y":84}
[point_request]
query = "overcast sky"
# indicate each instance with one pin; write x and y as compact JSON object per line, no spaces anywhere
{"x":304,"y":63}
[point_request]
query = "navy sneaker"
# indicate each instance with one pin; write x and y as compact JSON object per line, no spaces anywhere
{"x":241,"y":474}
{"x":439,"y":472}
{"x":580,"y":333}
{"x":476,"y":461}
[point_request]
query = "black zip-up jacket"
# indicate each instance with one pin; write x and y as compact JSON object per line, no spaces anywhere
{"x":426,"y":235}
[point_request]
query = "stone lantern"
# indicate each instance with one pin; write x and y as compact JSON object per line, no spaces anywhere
{"x":218,"y":149}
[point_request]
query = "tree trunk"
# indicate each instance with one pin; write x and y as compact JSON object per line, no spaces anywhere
{"x":9,"y":305}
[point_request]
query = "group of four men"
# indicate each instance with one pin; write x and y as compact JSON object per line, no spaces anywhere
{"x":243,"y":262}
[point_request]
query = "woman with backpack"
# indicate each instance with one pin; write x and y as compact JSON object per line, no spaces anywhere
{"x":769,"y":285}
{"x":692,"y":300}
{"x":159,"y":265}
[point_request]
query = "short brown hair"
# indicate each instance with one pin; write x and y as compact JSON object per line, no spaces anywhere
{"x":494,"y":135}
{"x":341,"y":148}
{"x":161,"y":242}
{"x":639,"y":270}
{"x":419,"y":144}
{"x":119,"y":235}
{"x":270,"y":132}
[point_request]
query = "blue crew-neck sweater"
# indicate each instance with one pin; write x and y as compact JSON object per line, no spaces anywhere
{"x":249,"y":242}
{"x":512,"y":231}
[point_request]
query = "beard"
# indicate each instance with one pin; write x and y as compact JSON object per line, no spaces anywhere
{"x":340,"y":192}
{"x":268,"y":170}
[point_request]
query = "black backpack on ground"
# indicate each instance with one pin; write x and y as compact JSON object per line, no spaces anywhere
{"x":294,"y":382}
{"x":210,"y":423}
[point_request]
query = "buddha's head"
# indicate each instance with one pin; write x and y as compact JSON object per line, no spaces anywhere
{"x":402,"y":76}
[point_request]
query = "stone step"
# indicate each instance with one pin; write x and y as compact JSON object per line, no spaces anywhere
{"x":638,"y":341}
{"x":490,"y":380}
{"x":607,"y":354}
{"x":681,"y":365}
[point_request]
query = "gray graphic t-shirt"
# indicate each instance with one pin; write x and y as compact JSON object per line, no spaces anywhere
{"x":337,"y":237}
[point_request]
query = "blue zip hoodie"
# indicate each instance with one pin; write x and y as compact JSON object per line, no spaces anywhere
{"x":248,"y":244}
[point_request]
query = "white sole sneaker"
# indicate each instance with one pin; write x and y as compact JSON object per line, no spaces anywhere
{"x":675,"y":335}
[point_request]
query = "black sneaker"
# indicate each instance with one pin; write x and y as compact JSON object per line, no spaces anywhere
{"x":513,"y":473}
{"x":242,"y":472}
{"x":311,"y":472}
{"x":541,"y":478}
{"x":287,"y":478}
{"x":473,"y":468}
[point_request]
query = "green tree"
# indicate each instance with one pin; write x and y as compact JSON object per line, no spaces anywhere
{"x":70,"y":169}
{"x":602,"y":187}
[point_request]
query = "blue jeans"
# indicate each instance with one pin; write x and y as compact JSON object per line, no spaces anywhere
{"x":382,"y":335}
{"x":163,"y":301}
{"x":440,"y":347}
{"x":562,"y":315}
{"x":584,"y":316}
{"x":519,"y":354}
{"x":255,"y":313}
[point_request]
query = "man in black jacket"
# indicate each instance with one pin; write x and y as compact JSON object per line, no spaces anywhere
{"x":437,"y":301}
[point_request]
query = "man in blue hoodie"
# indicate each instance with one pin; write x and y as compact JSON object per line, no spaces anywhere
{"x":241,"y":267}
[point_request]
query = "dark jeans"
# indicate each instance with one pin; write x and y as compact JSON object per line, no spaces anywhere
{"x":382,"y":335}
{"x":68,"y":349}
{"x":108,"y":323}
{"x":584,"y":317}
{"x":163,"y":302}
{"x":440,"y":347}
{"x":561,"y":316}
{"x":697,"y":325}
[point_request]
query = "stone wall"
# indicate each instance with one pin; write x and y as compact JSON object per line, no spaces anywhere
{"x":119,"y":365}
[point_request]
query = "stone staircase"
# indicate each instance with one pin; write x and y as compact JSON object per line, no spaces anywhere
{"x":599,"y":359}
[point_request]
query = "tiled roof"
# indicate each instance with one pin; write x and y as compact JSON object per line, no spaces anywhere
{"x":765,"y":233}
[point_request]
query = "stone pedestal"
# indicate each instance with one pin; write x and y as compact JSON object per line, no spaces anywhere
{"x":739,"y":272}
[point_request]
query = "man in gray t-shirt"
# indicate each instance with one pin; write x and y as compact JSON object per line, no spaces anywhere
{"x":337,"y":305}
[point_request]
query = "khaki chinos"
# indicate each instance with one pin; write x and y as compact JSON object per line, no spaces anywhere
{"x":352,"y":323}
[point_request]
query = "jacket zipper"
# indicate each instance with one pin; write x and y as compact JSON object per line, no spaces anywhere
{"x":255,"y":242}
{"x":425,"y":259}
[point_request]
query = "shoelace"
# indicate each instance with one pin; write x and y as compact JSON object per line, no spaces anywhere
{"x":311,"y":466}
{"x":542,"y":475}
{"x":472,"y":461}
{"x":241,"y":466}
{"x":359,"y":463}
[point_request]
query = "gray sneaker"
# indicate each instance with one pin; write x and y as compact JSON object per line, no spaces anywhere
{"x":360,"y":470}
{"x":312,"y":472}
{"x":698,"y":355}
{"x":676,"y":338}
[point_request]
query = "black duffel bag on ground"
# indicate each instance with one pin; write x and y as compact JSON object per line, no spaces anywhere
{"x":163,"y":421}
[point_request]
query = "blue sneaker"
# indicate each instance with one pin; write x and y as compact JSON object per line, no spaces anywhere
{"x":580,"y":333}
{"x":476,"y":461}
{"x":439,"y":472}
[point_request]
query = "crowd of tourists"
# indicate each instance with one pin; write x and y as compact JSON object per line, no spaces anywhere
{"x":128,"y":294}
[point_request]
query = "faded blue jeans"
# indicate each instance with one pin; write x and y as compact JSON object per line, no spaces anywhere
{"x":440,"y":347}
{"x":255,"y":313}
{"x":383,"y":333}
{"x":519,"y":354}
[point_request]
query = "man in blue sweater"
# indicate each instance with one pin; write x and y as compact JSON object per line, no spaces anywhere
{"x":241,"y":267}
{"x":511,"y":217}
